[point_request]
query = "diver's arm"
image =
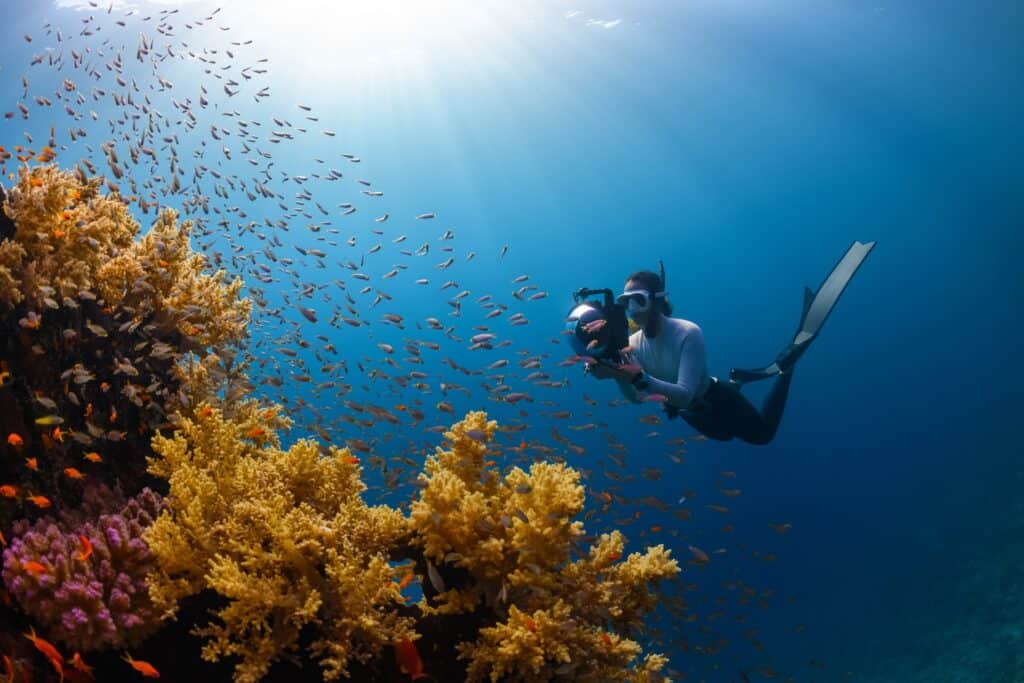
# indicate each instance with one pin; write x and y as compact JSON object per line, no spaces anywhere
{"x":676,"y":394}
{"x":691,"y":367}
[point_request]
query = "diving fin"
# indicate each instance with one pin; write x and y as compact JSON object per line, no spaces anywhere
{"x":816,"y":309}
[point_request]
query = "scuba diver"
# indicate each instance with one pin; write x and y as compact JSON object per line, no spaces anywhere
{"x":664,"y":360}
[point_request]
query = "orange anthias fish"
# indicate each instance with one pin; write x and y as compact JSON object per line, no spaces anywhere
{"x":144,"y":668}
{"x":408,"y":658}
{"x":32,"y":464}
{"x":49,"y":651}
{"x":39,"y":501}
{"x":86,"y":551}
{"x":8,"y":491}
{"x":34,"y":567}
{"x":73,"y":473}
{"x":79,"y":664}
{"x":15,"y":440}
{"x":93,"y":457}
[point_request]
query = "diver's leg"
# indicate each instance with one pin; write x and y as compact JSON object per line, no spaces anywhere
{"x":710,"y":427}
{"x":712,"y":417}
{"x":771,"y":409}
{"x":725,"y":414}
{"x":743,"y":418}
{"x":728,"y":414}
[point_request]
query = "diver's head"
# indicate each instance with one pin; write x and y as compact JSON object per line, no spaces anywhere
{"x":645,"y":298}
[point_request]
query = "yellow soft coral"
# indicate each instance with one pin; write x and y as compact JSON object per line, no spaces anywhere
{"x":284,"y":535}
{"x":65,"y":232}
{"x":163,"y":279}
{"x":496,"y":525}
{"x":514,"y":536}
{"x":69,"y":239}
{"x":549,"y":644}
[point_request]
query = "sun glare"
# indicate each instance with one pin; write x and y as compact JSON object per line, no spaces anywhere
{"x":367,"y":31}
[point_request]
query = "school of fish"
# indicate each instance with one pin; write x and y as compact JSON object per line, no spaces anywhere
{"x":329,"y":267}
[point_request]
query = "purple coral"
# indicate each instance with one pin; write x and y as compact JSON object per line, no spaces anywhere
{"x":101,"y":602}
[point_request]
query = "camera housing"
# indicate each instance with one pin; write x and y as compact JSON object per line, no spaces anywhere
{"x":597,"y":328}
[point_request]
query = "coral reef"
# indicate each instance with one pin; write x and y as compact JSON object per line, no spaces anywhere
{"x":70,"y":239}
{"x":65,"y":231}
{"x":121,"y":367}
{"x":513,"y":535}
{"x":100,"y":336}
{"x":97,"y":335}
{"x":90,"y":594}
{"x":163,"y":281}
{"x":286,"y":539}
{"x":283,"y":535}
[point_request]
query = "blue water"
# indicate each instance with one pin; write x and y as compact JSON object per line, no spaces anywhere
{"x":746,"y":144}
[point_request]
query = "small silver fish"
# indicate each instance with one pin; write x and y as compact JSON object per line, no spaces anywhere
{"x":47,"y":403}
{"x":477,"y":434}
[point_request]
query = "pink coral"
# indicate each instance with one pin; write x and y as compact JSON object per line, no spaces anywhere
{"x":89,"y":604}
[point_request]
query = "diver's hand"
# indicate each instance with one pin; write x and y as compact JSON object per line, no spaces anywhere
{"x":623,"y":372}
{"x":629,"y":371}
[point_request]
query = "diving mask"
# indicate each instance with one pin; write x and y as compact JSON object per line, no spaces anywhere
{"x":639,"y":300}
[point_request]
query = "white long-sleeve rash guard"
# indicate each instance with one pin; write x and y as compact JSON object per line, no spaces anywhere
{"x":674,"y":361}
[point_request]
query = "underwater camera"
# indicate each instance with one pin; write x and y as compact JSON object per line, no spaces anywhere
{"x":597,"y":328}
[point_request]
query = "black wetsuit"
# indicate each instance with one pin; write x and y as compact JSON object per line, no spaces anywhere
{"x":675,"y":366}
{"x":723,"y":413}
